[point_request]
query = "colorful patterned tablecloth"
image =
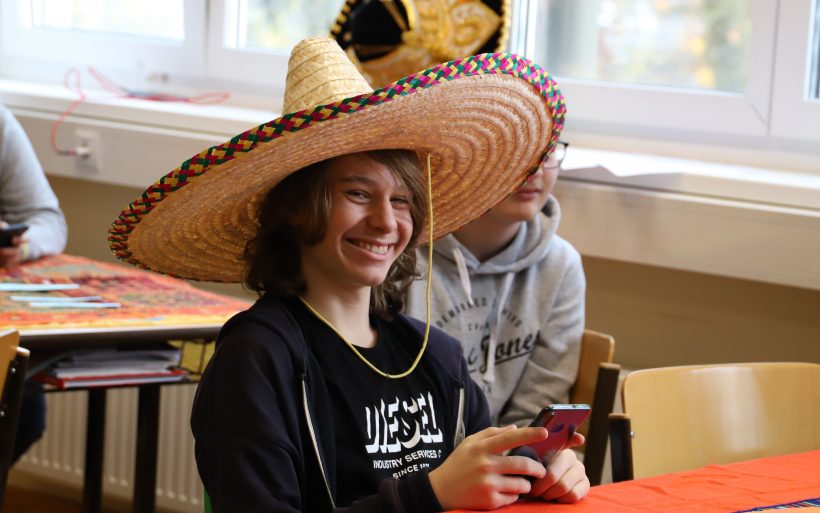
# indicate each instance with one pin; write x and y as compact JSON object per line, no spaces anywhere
{"x":790,"y":481}
{"x":146,"y":298}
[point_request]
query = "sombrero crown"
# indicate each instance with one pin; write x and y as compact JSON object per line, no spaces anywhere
{"x":487,"y":121}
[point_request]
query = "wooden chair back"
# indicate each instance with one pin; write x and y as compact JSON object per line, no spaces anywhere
{"x":596,"y":384}
{"x":9,"y":341}
{"x":13,"y":364}
{"x":596,"y":348}
{"x":686,"y":417}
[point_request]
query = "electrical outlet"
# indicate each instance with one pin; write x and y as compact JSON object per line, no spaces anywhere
{"x":89,"y":152}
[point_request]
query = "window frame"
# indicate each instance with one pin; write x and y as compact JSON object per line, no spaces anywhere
{"x":600,"y":106}
{"x":794,"y":114}
{"x":44,"y":54}
{"x":269,"y":66}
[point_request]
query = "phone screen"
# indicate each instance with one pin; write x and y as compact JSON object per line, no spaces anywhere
{"x":562,"y":421}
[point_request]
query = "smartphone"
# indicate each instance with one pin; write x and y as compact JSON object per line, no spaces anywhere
{"x":562,"y":421}
{"x":10,"y":231}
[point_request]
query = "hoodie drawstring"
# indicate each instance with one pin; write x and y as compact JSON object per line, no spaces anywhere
{"x":489,"y":373}
{"x":463,"y":275}
{"x":466,"y":286}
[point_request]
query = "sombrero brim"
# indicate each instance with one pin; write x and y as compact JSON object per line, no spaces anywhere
{"x":481,"y":118}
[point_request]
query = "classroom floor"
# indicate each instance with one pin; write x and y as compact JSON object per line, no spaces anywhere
{"x":25,"y":500}
{"x":21,"y":500}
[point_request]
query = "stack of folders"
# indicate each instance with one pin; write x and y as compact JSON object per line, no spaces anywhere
{"x":114,"y":367}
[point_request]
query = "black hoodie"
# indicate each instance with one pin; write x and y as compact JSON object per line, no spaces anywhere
{"x":263,"y":429}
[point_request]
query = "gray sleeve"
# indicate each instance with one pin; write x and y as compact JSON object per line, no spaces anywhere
{"x":25,"y":195}
{"x":553,"y":365}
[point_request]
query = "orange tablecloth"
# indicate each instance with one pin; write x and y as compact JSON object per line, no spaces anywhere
{"x":148,"y":299}
{"x":711,"y":489}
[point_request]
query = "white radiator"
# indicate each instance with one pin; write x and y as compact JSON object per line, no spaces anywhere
{"x":60,"y":454}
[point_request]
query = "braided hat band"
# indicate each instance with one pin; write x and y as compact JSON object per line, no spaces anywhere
{"x":487,"y":121}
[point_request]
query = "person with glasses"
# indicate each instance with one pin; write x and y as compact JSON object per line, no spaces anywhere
{"x":512,"y":291}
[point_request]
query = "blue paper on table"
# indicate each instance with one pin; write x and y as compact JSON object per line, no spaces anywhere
{"x":36,"y":287}
{"x":71,"y":304}
{"x":55,"y":299}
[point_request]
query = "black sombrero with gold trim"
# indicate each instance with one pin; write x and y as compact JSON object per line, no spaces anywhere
{"x":390,"y":39}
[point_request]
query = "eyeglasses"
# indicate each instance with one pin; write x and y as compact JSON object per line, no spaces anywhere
{"x":557,"y":156}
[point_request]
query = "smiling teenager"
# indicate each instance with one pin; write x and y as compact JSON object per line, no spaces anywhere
{"x":321,"y":396}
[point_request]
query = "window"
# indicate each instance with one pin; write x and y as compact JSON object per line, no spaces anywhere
{"x":691,"y":70}
{"x":695,"y":71}
{"x":276,"y":24}
{"x":670,"y":43}
{"x":138,"y":42}
{"x":239,"y":45}
{"x":253,"y":38}
{"x":796,"y":102}
{"x":697,"y":66}
{"x":814,"y":82}
{"x":122,"y":18}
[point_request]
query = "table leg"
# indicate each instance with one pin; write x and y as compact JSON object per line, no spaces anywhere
{"x":145,"y":469}
{"x":94,"y":444}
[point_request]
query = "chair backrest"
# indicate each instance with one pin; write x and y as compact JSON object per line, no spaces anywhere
{"x":596,"y":384}
{"x":9,"y":341}
{"x":13,"y":363}
{"x":596,"y":348}
{"x":690,"y":416}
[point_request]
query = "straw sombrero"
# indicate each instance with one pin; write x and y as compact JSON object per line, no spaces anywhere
{"x":390,"y":39}
{"x":488,"y":121}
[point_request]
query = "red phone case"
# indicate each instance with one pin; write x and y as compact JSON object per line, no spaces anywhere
{"x":561,"y":420}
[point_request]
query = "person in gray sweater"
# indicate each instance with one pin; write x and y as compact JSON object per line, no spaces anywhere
{"x":26,"y":197}
{"x":512,"y":291}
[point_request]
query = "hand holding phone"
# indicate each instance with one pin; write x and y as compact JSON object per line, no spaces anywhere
{"x":9,"y":231}
{"x":561,"y":421}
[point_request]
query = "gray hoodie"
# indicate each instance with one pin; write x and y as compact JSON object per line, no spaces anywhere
{"x":535,"y":334}
{"x":25,"y":195}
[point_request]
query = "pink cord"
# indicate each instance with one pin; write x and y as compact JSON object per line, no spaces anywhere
{"x":112,"y":87}
{"x":73,"y":71}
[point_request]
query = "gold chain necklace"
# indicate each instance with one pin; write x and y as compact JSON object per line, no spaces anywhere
{"x":429,"y":274}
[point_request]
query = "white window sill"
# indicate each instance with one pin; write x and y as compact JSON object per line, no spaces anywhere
{"x":161,"y":135}
{"x":779,"y":187}
{"x":733,"y":221}
{"x":727,"y":220}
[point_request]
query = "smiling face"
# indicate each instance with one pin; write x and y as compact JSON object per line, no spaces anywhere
{"x":369,"y":226}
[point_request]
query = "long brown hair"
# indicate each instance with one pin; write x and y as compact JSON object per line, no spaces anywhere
{"x":273,"y":259}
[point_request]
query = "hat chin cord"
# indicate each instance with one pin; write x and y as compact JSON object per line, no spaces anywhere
{"x":429,"y":277}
